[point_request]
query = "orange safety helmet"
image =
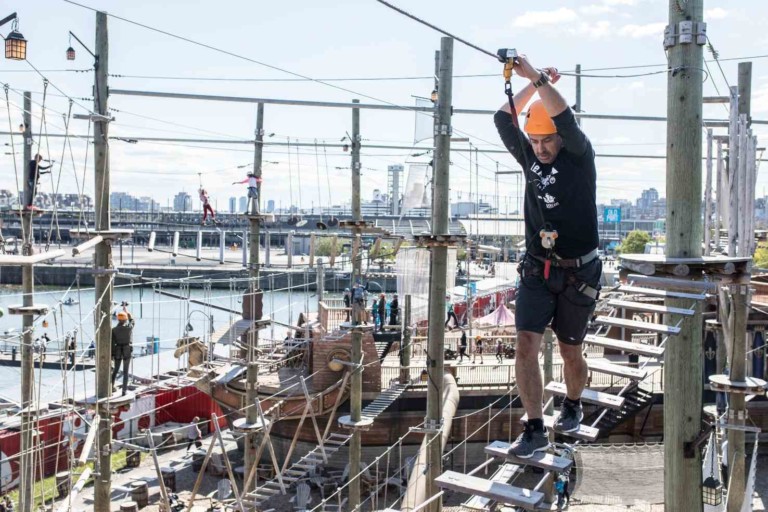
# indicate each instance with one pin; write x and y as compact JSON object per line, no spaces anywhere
{"x":122,"y":316}
{"x":537,"y":121}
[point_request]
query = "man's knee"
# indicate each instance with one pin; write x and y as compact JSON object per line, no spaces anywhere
{"x":527,"y":346}
{"x":571,"y":353}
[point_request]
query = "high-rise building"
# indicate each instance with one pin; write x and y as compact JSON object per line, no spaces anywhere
{"x":232,"y":205}
{"x":243,"y":204}
{"x":270,"y":205}
{"x":182,"y":202}
{"x":394,"y":175}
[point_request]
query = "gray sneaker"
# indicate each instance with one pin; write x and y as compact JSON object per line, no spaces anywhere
{"x":529,"y":442}
{"x":570,"y":417}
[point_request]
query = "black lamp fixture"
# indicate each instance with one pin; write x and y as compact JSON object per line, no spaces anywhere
{"x":424,"y":377}
{"x":712,"y":491}
{"x":433,"y":95}
{"x":15,"y":44}
{"x":71,"y":51}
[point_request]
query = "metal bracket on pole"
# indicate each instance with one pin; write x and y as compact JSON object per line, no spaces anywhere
{"x":443,"y":129}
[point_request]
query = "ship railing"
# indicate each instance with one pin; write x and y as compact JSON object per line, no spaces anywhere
{"x":419,"y":345}
{"x":332,"y":313}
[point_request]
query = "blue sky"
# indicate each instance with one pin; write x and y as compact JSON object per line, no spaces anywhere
{"x":354,"y":39}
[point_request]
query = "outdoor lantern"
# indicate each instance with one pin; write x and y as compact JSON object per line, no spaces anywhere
{"x":189,"y":327}
{"x":70,"y":53}
{"x":22,"y":127}
{"x":45,"y":323}
{"x":424,"y":376}
{"x":712,"y":491}
{"x":15,"y":46}
{"x":433,"y":96}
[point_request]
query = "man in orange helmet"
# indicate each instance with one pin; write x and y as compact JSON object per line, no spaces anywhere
{"x":560,"y":273}
{"x":122,"y":337}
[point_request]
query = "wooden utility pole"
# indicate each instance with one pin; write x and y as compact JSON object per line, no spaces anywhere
{"x":735,"y":324}
{"x":356,"y":390}
{"x":683,"y":375}
{"x":578,"y":93}
{"x":746,"y":189}
{"x":406,"y":345}
{"x":733,"y":174}
{"x":438,"y":270}
{"x":26,"y":467}
{"x":708,"y":194}
{"x":103,"y":263}
{"x":254,"y":289}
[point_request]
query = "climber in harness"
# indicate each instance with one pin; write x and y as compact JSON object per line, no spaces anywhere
{"x":560,"y":273}
{"x":359,"y":299}
{"x":122,"y":350}
{"x":253,"y":191}
{"x":207,"y":208}
{"x":34,"y":170}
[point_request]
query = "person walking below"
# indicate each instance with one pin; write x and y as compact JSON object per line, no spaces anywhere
{"x":563,"y":496}
{"x":71,"y":348}
{"x":194,"y":435}
{"x":478,"y":349}
{"x":559,"y":276}
{"x":347,"y":304}
{"x":382,"y":311}
{"x":375,"y":313}
{"x":463,"y":346}
{"x":499,"y":350}
{"x":449,"y":313}
{"x":394,"y":311}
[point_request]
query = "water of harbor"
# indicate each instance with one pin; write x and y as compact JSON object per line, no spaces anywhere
{"x":157,"y":317}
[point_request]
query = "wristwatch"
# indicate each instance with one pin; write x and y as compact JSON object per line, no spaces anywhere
{"x":543,"y":79}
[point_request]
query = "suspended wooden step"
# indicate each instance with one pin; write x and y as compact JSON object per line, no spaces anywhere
{"x":650,"y":308}
{"x":585,"y":432}
{"x":626,"y":346}
{"x":497,"y":491}
{"x":503,"y":474}
{"x":589,"y":396}
{"x":543,"y":460}
{"x":637,"y":325}
{"x":616,"y":370}
{"x":666,"y":283}
{"x":33,"y":310}
{"x":651,"y":292}
{"x":748,"y":386}
{"x":10,"y":260}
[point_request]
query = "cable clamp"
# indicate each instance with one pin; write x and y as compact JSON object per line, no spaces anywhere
{"x":685,"y":32}
{"x":443,"y":129}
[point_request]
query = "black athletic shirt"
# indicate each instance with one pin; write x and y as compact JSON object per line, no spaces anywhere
{"x":565,"y":188}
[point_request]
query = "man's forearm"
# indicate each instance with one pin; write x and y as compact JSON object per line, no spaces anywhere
{"x":520,"y":99}
{"x":553,"y":101}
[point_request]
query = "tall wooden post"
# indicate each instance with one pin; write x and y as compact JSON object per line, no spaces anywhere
{"x":103,"y":257}
{"x":438,"y":269}
{"x":406,"y":348}
{"x":254,"y":273}
{"x":578,"y":92}
{"x":356,"y":389}
{"x":708,"y":195}
{"x":735,"y":327}
{"x":683,"y":375}
{"x":718,"y":192}
{"x":733,"y":174}
{"x":26,"y":467}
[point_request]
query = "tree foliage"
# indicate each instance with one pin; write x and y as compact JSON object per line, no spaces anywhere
{"x":634,"y":243}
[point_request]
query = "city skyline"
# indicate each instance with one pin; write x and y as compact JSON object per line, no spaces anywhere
{"x":305,"y":174}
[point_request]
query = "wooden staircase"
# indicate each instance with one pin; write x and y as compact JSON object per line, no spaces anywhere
{"x":612,"y":409}
{"x":307,"y":464}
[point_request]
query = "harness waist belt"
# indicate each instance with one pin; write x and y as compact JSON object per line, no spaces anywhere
{"x":572,"y":262}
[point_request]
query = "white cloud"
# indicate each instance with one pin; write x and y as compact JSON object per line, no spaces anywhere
{"x":538,"y":18}
{"x":595,"y":9}
{"x":760,"y":99}
{"x":639,"y":31}
{"x":619,"y":2}
{"x":592,"y":30}
{"x":717,"y":13}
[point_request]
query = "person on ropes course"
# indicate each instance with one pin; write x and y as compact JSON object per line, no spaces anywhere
{"x":253,"y":191}
{"x":559,"y":282}
{"x":34,"y":170}
{"x":207,"y":208}
{"x":122,"y":337}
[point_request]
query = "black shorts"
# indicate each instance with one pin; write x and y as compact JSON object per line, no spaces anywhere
{"x":557,"y":299}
